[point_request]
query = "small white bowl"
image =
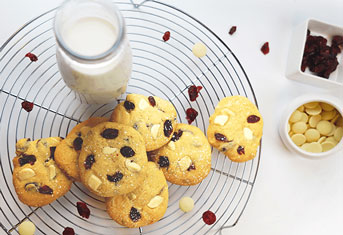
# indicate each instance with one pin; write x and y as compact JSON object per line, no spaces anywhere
{"x":292,"y":107}
{"x":296,"y":51}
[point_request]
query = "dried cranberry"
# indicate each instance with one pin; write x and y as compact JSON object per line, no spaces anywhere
{"x":31,"y":159}
{"x":240,"y":150}
{"x":253,"y":119}
{"x":193,"y":92}
{"x":32,"y":57}
{"x":337,"y":40}
{"x":152,"y":101}
{"x":77,"y":143}
{"x":116,"y":177}
{"x":177,"y":135}
{"x":233,"y":30}
{"x":168,"y":128}
{"x":45,"y":190}
{"x":191,"y":167}
{"x":129,"y":105}
{"x":110,"y":133}
{"x":221,"y":137}
{"x":209,"y":217}
{"x":191,"y":115}
{"x":134,"y":214}
{"x":28,"y":106}
{"x":151,"y":156}
{"x":166,"y":36}
{"x":52,"y":152}
{"x":127,"y":151}
{"x":83,"y":209}
{"x":68,"y":231}
{"x":265,"y":48}
{"x":89,"y":161}
{"x":163,"y":161}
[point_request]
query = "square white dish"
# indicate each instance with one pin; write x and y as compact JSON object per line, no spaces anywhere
{"x":296,"y":51}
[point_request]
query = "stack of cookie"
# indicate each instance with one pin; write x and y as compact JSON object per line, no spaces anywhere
{"x":110,"y":158}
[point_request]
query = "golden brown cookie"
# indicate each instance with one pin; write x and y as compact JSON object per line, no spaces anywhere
{"x":67,"y":153}
{"x":145,"y":205}
{"x":186,"y":159}
{"x":113,"y":159}
{"x":36,"y":178}
{"x":236,"y":128}
{"x":154,"y":118}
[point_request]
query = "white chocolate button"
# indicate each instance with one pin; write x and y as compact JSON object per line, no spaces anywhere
{"x":331,"y":139}
{"x":298,"y":139}
{"x":304,"y":117}
{"x":221,"y":120}
{"x":338,"y":134}
{"x":154,"y":130}
{"x":312,"y":135}
{"x":314,"y":147}
{"x":321,"y":139}
{"x":324,"y":127}
{"x":311,"y":105}
{"x":296,"y":116}
{"x":288,"y":127}
{"x":199,"y":49}
{"x":313,"y":121}
{"x":155,"y":202}
{"x":332,"y":129}
{"x":326,"y":107}
{"x":314,"y":111}
{"x":339,"y":122}
{"x":186,"y":204}
{"x":301,"y":108}
{"x":328,"y":115}
{"x":333,"y":120}
{"x":299,"y":127}
{"x":26,"y":228}
{"x":326,"y":146}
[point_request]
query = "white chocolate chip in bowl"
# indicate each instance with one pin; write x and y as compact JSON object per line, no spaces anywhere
{"x":155,"y":202}
{"x":296,"y":116}
{"x":26,"y":173}
{"x":314,"y":111}
{"x":324,"y":127}
{"x":154,"y":130}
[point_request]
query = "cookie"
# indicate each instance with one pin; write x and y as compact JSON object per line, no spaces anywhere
{"x":113,"y":159}
{"x":236,"y":128}
{"x":186,"y":159}
{"x":153,"y":117}
{"x":145,"y":205}
{"x":36,"y":178}
{"x":67,"y":152}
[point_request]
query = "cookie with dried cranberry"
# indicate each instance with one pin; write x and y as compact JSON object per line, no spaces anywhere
{"x":145,"y":205}
{"x":154,"y":118}
{"x":186,"y":159}
{"x":67,"y":153}
{"x":113,"y":159}
{"x":36,"y":178}
{"x":236,"y":128}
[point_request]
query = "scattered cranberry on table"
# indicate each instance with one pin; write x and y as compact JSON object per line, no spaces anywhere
{"x":265,"y":48}
{"x":233,"y":30}
{"x":32,"y":57}
{"x":166,"y":36}
{"x":209,"y":217}
{"x":83,"y":209}
{"x":28,"y":106}
{"x":191,"y":115}
{"x":68,"y":231}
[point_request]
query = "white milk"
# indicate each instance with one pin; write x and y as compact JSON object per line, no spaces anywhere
{"x":93,"y":53}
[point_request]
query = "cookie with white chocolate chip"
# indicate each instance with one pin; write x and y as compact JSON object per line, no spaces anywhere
{"x":113,"y":159}
{"x":67,"y":153}
{"x":36,"y":178}
{"x":145,"y":205}
{"x":186,"y":159}
{"x":154,"y":118}
{"x":236,"y":128}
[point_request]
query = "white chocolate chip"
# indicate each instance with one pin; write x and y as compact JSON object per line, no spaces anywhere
{"x":312,"y":135}
{"x":311,"y":105}
{"x":184,"y":163}
{"x":327,"y":145}
{"x":324,"y":127}
{"x":109,"y":150}
{"x":228,"y":111}
{"x":186,"y":204}
{"x":298,"y":139}
{"x":304,"y":117}
{"x":52,"y":172}
{"x":94,"y":182}
{"x":154,"y":130}
{"x":221,"y":120}
{"x":321,"y":139}
{"x":26,"y":173}
{"x":199,"y":49}
{"x":26,"y":228}
{"x":132,"y":166}
{"x":314,"y":111}
{"x":326,"y":107}
{"x":143,"y":104}
{"x":313,"y":121}
{"x":301,"y":108}
{"x":338,"y":134}
{"x":328,"y":115}
{"x":155,"y":202}
{"x":171,"y":145}
{"x":296,"y":116}
{"x":299,"y":127}
{"x":248,"y":133}
{"x":132,"y":196}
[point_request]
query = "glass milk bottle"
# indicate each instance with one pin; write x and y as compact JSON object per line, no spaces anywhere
{"x":93,"y":52}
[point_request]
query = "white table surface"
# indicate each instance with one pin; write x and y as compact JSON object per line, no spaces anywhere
{"x":292,"y":195}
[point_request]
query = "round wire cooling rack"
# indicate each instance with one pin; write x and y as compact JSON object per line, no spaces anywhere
{"x":164,"y":69}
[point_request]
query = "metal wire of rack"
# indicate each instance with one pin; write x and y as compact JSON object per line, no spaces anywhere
{"x":160,"y":68}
